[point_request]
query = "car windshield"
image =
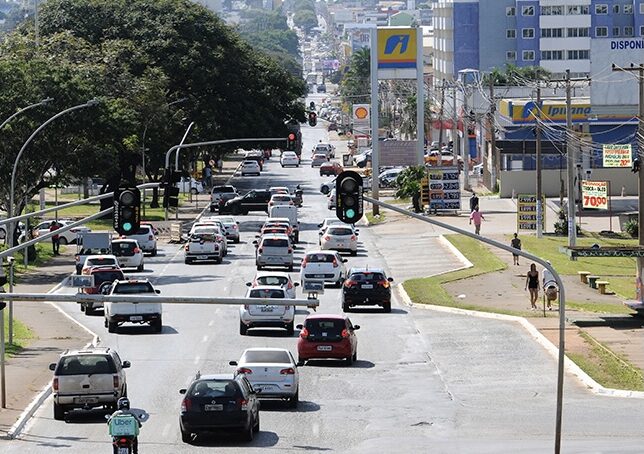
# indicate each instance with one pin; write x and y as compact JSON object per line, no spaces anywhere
{"x":106,"y":276}
{"x":340,"y":231}
{"x":275,"y":242}
{"x":325,"y":328}
{"x":134,"y":287}
{"x":272,"y":280}
{"x":85,"y":365}
{"x":267,"y":293}
{"x":265,"y":356}
{"x":214,"y":388}
{"x":367,"y":277}
{"x":320,"y":258}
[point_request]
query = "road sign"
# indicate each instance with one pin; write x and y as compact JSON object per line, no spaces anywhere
{"x":617,"y":155}
{"x":594,"y":194}
{"x":527,"y":212}
{"x":397,"y":47}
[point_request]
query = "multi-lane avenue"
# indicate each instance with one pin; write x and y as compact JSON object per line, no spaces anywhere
{"x":424,"y":381}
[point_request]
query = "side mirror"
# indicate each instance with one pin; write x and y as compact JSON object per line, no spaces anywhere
{"x":355,"y":327}
{"x":52,"y":366}
{"x":237,"y":222}
{"x":182,"y":391}
{"x":255,"y":242}
{"x":232,"y":363}
{"x":249,"y":284}
{"x":300,"y":326}
{"x":157,"y":291}
{"x":296,"y":284}
{"x":390,"y":279}
{"x":319,"y":226}
{"x":126,"y":364}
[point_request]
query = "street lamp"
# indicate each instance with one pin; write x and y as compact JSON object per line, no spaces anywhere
{"x":90,"y":103}
{"x":24,"y":109}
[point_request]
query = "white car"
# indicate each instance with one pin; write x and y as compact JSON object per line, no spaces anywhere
{"x":289,"y":158}
{"x":279,"y":190}
{"x":330,"y":203}
{"x":68,"y":237}
{"x":146,"y":238}
{"x":327,"y":266}
{"x":262,"y":315}
{"x":325,"y":188}
{"x":231,"y":226}
{"x":280,"y":199}
{"x":214,"y":230}
{"x":118,"y":313}
{"x":318,"y":159}
{"x":98,"y":260}
{"x":274,"y":249}
{"x":275,"y":279}
{"x":250,"y":168}
{"x":340,"y":238}
{"x":325,"y":148}
{"x":272,"y":371}
{"x":190,"y":185}
{"x":128,"y":253}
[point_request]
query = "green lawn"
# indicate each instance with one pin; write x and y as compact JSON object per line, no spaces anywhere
{"x":21,"y":334}
{"x":376,"y":220}
{"x":80,"y":211}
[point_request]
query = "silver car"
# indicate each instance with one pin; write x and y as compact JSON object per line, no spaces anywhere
{"x":274,"y":250}
{"x":263,"y":315}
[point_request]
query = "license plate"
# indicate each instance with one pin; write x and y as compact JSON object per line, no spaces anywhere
{"x":213,"y":407}
{"x":324,"y":348}
{"x":124,"y":450}
{"x":202,"y":257}
{"x":86,"y":400}
{"x":340,"y":244}
{"x":267,"y":308}
{"x":367,"y":286}
{"x":318,"y":275}
{"x":136,"y":318}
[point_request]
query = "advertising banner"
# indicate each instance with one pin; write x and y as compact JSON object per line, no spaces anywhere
{"x":594,"y":194}
{"x":527,"y":212}
{"x":617,"y":155}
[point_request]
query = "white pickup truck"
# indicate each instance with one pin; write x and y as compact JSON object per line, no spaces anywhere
{"x":118,"y":313}
{"x":203,"y":246}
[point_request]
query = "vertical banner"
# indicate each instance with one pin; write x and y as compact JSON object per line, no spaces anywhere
{"x":397,"y":48}
{"x":617,"y":155}
{"x":594,"y":194}
{"x":527,"y":212}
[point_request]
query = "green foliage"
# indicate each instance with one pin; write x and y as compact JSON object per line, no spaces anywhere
{"x":513,"y":75}
{"x":356,"y":84}
{"x":632,"y":228}
{"x":408,"y":181}
{"x":305,"y":19}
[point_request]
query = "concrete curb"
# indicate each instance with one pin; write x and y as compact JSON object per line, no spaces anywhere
{"x":42,"y":396}
{"x":569,"y":365}
{"x":454,"y":250}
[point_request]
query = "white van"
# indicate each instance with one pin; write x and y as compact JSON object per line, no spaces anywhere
{"x":288,"y":213}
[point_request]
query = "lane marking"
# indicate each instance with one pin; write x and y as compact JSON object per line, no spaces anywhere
{"x":197,"y":358}
{"x":205,"y":339}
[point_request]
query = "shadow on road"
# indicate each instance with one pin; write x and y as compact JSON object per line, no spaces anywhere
{"x":263,"y":439}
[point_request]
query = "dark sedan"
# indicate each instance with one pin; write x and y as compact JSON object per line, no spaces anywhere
{"x":366,"y":287}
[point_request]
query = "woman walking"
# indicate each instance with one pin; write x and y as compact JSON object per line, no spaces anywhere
{"x":532,"y":284}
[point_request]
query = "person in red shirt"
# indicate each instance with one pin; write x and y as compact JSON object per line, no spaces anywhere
{"x":477,"y":217}
{"x":55,"y":240}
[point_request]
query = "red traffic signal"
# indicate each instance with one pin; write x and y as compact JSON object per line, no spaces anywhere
{"x":291,"y":141}
{"x":313,"y":118}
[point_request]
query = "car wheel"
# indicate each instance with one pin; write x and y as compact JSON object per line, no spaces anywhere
{"x":157,"y":325}
{"x":350,"y":360}
{"x":282,"y":165}
{"x":386,"y":307}
{"x":140,"y":267}
{"x":218,"y":261}
{"x":89,"y":309}
{"x":235,"y":210}
{"x":82,"y":307}
{"x":243,"y":329}
{"x":186,"y":437}
{"x":59,"y":412}
{"x":248,"y":433}
{"x":62,"y":240}
{"x":154,"y":252}
{"x":111,"y":326}
{"x":345,"y":307}
{"x":187,"y":261}
{"x":301,"y":360}
{"x":256,"y":427}
{"x":212,"y":209}
{"x":293,"y":401}
{"x":290,"y":328}
{"x":355,"y":356}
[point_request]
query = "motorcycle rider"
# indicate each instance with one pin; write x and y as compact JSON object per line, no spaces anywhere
{"x":123,"y":408}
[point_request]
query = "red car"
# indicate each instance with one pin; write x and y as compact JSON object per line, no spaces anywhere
{"x":330,"y":168}
{"x":102,"y":274}
{"x":327,"y":336}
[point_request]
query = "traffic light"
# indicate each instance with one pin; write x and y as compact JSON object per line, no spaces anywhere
{"x":313,"y":118}
{"x":348,"y":197}
{"x":170,"y":196}
{"x":127,"y":210}
{"x":312,"y":105}
{"x":291,"y":141}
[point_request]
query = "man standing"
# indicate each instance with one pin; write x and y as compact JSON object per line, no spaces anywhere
{"x":474,"y":201}
{"x":55,"y":240}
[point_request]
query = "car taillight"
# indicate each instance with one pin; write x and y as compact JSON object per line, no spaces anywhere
{"x":289,"y":371}
{"x":353,"y":238}
{"x":350,"y":283}
{"x":115,"y":381}
{"x":384,"y":283}
{"x":137,"y":250}
{"x":290,"y":251}
{"x":150,"y":237}
{"x":246,"y":307}
{"x":327,"y":238}
{"x":290,"y":284}
{"x":243,"y":403}
{"x":304,"y":333}
{"x":235,"y":226}
{"x":54,"y":384}
{"x":345,"y":333}
{"x":123,"y":441}
{"x":186,"y":404}
{"x":187,"y":247}
{"x":244,"y":370}
{"x":335,"y":263}
{"x":77,"y":258}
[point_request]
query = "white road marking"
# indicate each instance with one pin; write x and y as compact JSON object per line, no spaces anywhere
{"x":204,"y":339}
{"x":197,"y":358}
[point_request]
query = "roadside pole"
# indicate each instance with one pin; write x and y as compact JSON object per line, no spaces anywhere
{"x":454,"y":125}
{"x":375,"y":144}
{"x":420,"y":99}
{"x":3,"y":392}
{"x":11,"y":278}
{"x":540,"y":207}
{"x":570,"y":151}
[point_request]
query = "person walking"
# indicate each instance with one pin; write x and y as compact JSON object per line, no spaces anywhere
{"x":549,"y":286}
{"x":220,"y":165}
{"x":477,"y":217}
{"x":516,"y":244}
{"x":207,"y":177}
{"x":55,"y":240}
{"x":532,"y":284}
{"x":474,"y":201}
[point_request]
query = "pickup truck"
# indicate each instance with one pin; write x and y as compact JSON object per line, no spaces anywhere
{"x":203,"y":246}
{"x":118,"y":313}
{"x":91,"y":243}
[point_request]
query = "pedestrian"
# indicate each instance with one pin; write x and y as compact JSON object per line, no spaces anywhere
{"x":55,"y":240}
{"x":477,"y":217}
{"x":549,"y":286}
{"x":516,"y":244}
{"x":474,"y":201}
{"x":532,"y":284}
{"x":207,"y":176}
{"x":220,"y":165}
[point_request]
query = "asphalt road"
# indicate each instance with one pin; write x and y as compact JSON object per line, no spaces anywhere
{"x":424,"y":381}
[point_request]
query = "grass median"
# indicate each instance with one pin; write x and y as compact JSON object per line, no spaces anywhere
{"x":21,"y":335}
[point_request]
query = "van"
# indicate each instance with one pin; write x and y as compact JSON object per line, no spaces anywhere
{"x":286,"y":213}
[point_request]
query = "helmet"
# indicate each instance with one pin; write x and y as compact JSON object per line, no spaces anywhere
{"x":123,"y":403}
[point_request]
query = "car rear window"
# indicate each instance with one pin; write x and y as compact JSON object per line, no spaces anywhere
{"x":340,"y":231}
{"x":260,"y":356}
{"x":320,"y":258}
{"x":101,"y":262}
{"x":133,"y":288}
{"x":85,"y":365}
{"x":366,"y":276}
{"x":199,"y":237}
{"x":214,"y":388}
{"x":223,"y":189}
{"x":272,"y":280}
{"x":143,"y":230}
{"x":123,"y":247}
{"x":107,"y":276}
{"x":325,"y":328}
{"x":282,"y":198}
{"x":267,"y":293}
{"x":274,"y":242}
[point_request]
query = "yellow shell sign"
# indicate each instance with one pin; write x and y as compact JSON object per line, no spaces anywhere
{"x":361,"y":113}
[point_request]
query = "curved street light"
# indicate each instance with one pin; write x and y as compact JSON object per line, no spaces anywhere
{"x":24,"y":109}
{"x":90,"y":103}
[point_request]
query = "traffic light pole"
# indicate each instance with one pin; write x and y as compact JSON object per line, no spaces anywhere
{"x":534,"y":258}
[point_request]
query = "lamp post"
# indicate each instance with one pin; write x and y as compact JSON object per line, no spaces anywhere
{"x":176,"y":167}
{"x":90,"y":103}
{"x":24,"y":109}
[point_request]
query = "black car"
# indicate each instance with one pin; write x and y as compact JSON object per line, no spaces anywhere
{"x":219,"y":402}
{"x":366,"y":287}
{"x":255,"y":200}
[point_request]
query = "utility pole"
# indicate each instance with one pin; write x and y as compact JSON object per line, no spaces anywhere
{"x":440,"y":116}
{"x":375,"y":145}
{"x":454,"y":126}
{"x":540,"y":207}
{"x":571,"y":161}
{"x":492,"y":130}
{"x":465,"y":154}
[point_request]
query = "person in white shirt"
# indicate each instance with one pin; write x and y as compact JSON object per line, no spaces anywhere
{"x":549,"y":286}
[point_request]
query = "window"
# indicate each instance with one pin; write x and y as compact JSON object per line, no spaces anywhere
{"x":528,"y":55}
{"x":601,"y":31}
{"x":552,"y":10}
{"x":641,"y":30}
{"x":510,"y":11}
{"x":575,"y":10}
{"x":578,"y":32}
{"x":512,"y":55}
{"x":552,"y":54}
{"x":601,"y":8}
{"x":578,"y":54}
{"x":628,"y":9}
{"x":511,"y":33}
{"x":552,"y":32}
{"x":527,"y":11}
{"x":615,"y":31}
{"x":615,"y":9}
{"x":628,"y":31}
{"x":527,"y":33}
{"x":641,"y":8}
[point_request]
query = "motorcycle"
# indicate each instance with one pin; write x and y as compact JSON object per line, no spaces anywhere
{"x":297,"y":199}
{"x":123,"y":444}
{"x":124,"y":430}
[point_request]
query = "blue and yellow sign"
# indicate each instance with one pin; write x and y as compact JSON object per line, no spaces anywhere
{"x":397,"y":48}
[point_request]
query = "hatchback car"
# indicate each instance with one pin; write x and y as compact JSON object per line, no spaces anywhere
{"x":274,"y":249}
{"x":340,"y":238}
{"x":280,"y":199}
{"x":289,"y":158}
{"x":272,"y":372}
{"x":146,"y":237}
{"x":327,"y":336}
{"x":67,"y":237}
{"x":99,"y":260}
{"x":128,"y":253}
{"x":330,"y":169}
{"x":275,"y":279}
{"x":250,"y":168}
{"x":266,"y":315}
{"x":318,"y":159}
{"x":218,"y":402}
{"x":323,"y":265}
{"x":366,"y":287}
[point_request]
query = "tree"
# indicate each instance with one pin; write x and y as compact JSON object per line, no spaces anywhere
{"x":408,"y":183}
{"x":513,"y":75}
{"x":356,"y":83}
{"x":305,"y":19}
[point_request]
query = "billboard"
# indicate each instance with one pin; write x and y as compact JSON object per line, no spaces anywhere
{"x":527,"y":212}
{"x":442,"y":188}
{"x":397,"y":152}
{"x":617,"y":155}
{"x":397,"y":52}
{"x":594,"y":194}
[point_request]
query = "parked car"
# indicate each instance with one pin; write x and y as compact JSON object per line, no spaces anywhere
{"x":118,"y":313}
{"x":128,"y":253}
{"x":327,"y":266}
{"x":327,"y":336}
{"x":190,"y":185}
{"x":102,"y":275}
{"x":218,"y":402}
{"x":289,"y":158}
{"x":264,"y":315}
{"x":146,"y":237}
{"x":272,"y":372}
{"x":366,"y":287}
{"x":68,"y":237}
{"x":88,"y":378}
{"x":250,"y":168}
